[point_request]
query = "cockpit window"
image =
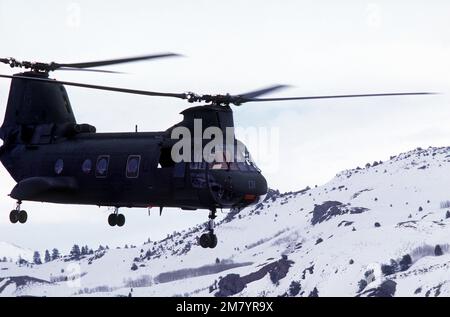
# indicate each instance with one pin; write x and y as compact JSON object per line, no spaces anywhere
{"x":224,"y":159}
{"x":244,"y":159}
{"x":220,"y":159}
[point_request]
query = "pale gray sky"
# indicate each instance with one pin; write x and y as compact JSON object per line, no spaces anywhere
{"x":318,"y":47}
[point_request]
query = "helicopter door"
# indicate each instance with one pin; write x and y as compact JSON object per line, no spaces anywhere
{"x":197,"y":171}
{"x":179,"y":175}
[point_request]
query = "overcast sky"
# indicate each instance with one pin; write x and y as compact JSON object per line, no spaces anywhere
{"x":317,"y":47}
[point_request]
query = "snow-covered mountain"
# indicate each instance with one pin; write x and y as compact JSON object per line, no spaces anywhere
{"x":12,"y":252}
{"x":380,"y":230}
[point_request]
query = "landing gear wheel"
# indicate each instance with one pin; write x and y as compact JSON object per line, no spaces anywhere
{"x":213,"y":241}
{"x":112,"y":220}
{"x":205,"y":240}
{"x":22,"y":216}
{"x":14,"y":216}
{"x":120,"y":220}
{"x":208,"y":240}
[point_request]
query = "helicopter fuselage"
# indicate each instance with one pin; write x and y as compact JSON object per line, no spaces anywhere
{"x":125,"y":170}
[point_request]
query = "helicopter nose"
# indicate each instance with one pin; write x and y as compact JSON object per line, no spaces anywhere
{"x":236,"y":188}
{"x":257,"y":184}
{"x":252,"y":188}
{"x":256,"y":189}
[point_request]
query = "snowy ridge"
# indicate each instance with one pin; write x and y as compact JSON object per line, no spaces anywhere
{"x":381,"y":230}
{"x":13,"y":252}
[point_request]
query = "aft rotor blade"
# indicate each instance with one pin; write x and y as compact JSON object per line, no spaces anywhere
{"x":337,"y":96}
{"x":108,"y":88}
{"x":114,"y":61}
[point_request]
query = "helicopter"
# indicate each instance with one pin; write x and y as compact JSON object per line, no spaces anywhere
{"x":55,"y":159}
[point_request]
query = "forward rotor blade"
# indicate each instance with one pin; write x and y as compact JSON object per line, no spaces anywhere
{"x":116,"y":89}
{"x":90,"y":70}
{"x":113,"y":61}
{"x":260,"y":92}
{"x":214,"y":99}
{"x":337,"y":96}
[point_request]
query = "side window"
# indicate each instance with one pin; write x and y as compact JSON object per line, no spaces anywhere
{"x":102,"y":166}
{"x":133,"y":163}
{"x":86,"y":167}
{"x":59,"y":166}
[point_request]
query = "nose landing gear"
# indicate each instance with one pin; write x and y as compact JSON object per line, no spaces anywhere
{"x":116,"y":219}
{"x":209,"y":239}
{"x":18,"y":215}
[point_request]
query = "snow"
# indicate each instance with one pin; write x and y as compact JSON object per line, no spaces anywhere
{"x":13,"y":252}
{"x":406,"y":195}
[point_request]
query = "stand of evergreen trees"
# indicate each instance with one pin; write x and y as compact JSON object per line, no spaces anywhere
{"x":76,"y":252}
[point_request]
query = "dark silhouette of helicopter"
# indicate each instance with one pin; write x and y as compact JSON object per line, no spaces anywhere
{"x":55,"y":159}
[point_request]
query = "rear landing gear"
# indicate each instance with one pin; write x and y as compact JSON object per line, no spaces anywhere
{"x":209,"y":239}
{"x":116,"y":219}
{"x":18,"y":215}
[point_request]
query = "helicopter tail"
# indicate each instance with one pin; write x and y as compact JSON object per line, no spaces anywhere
{"x":35,"y":108}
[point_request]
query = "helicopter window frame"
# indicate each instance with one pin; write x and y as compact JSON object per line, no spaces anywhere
{"x":104,"y":174}
{"x":133,"y":174}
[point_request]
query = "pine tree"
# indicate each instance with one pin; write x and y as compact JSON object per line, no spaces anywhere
{"x":83,"y":250}
{"x":47,"y":256}
{"x":37,"y":258}
{"x":55,"y":254}
{"x":75,"y":252}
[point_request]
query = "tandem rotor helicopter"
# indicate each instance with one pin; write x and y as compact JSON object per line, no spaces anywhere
{"x":57,"y":160}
